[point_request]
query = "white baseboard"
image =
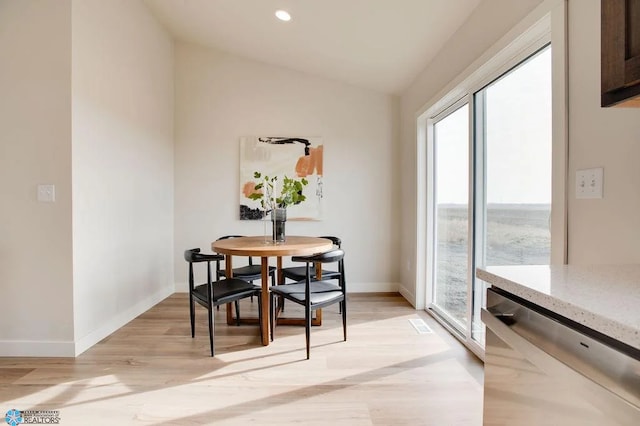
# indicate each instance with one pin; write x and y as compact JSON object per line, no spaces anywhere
{"x":120,"y":320}
{"x":411,"y":298}
{"x":38,"y":348}
{"x":364,"y":287}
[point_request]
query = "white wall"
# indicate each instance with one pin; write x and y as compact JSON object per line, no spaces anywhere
{"x":491,"y":20}
{"x":122,"y":165}
{"x":35,"y":148}
{"x":606,"y":230}
{"x":221,"y":97}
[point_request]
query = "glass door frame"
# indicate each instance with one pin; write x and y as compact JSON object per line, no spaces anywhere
{"x":452,"y":324}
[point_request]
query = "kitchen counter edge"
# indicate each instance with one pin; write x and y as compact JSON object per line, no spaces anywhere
{"x":603,"y":298}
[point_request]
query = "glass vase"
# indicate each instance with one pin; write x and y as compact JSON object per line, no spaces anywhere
{"x":278,"y":220}
{"x":266,"y":235}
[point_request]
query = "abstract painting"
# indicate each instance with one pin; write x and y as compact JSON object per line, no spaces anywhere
{"x":294,"y":157}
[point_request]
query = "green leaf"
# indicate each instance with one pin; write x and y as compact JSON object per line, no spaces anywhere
{"x":290,"y":192}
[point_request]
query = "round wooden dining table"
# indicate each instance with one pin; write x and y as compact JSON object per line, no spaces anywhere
{"x":265,"y":248}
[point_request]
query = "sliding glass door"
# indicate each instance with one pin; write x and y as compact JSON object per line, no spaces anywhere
{"x":451,"y":213}
{"x":490,"y":188}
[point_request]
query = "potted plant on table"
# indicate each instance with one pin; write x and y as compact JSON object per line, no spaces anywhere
{"x":266,"y":191}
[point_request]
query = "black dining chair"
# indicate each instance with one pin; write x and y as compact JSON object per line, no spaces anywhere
{"x":216,"y":293}
{"x":313,"y":294}
{"x":298,"y":273}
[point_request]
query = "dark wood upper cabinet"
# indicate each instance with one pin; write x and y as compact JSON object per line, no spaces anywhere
{"x":620,"y":53}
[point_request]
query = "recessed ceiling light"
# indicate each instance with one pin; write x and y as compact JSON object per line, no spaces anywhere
{"x":283,"y":15}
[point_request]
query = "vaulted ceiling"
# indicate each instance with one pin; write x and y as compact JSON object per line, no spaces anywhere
{"x":378,"y":44}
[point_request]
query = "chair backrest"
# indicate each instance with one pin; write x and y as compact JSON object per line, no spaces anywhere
{"x":336,"y":241}
{"x":226,"y":237}
{"x":194,"y":256}
{"x":326,"y":257}
{"x":331,"y":256}
{"x":189,"y":255}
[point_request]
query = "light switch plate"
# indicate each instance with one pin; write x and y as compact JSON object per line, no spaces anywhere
{"x":46,"y":193}
{"x":589,"y":183}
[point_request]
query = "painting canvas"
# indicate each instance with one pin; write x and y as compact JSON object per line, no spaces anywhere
{"x":294,"y":157}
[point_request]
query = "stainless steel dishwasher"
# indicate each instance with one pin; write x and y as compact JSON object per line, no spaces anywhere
{"x":543,"y":369}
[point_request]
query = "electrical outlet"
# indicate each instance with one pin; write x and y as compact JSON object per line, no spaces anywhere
{"x":589,"y":183}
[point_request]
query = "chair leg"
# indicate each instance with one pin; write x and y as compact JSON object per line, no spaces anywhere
{"x":307,"y":327}
{"x":260,"y":319}
{"x":211,"y":329}
{"x":343,"y":304}
{"x":280,"y":299}
{"x":237,"y":303}
{"x":193,"y":317}
{"x":272,"y":313}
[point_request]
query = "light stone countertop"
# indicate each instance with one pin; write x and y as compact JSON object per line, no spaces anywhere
{"x":605,"y":298}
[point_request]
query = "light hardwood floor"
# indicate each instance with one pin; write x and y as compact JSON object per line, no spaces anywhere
{"x":151,"y":372}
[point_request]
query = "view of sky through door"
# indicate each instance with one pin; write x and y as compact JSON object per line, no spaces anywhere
{"x":518,"y":164}
{"x":513,"y":211}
